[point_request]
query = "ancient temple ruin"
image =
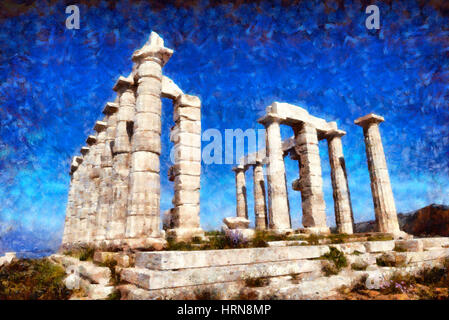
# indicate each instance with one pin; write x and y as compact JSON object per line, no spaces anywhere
{"x":114,"y":197}
{"x":303,"y":147}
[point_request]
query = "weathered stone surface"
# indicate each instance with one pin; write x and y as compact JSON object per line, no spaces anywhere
{"x":99,"y":292}
{"x":434,"y":242}
{"x":382,"y":193}
{"x":260,"y":204}
{"x":170,"y":89}
{"x":240,"y":234}
{"x":240,"y":184}
{"x":167,"y":260}
{"x":7,"y":258}
{"x":153,"y":279}
{"x":236,"y":222}
{"x":379,"y":246}
{"x":410,"y":245}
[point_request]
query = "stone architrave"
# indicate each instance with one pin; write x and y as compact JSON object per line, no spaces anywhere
{"x":121,"y":159}
{"x":186,"y":136}
{"x":143,"y":219}
{"x":240,"y":192}
{"x":310,"y":181}
{"x":384,"y":206}
{"x":260,"y":204}
{"x":342,"y":199}
{"x":104,"y":206}
{"x":279,"y":215}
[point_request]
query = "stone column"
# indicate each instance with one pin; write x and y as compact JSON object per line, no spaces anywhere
{"x":279,"y":215}
{"x":342,"y":199}
{"x":260,"y":204}
{"x":95,"y":177}
{"x":104,"y":204}
{"x":81,"y":199}
{"x":143,"y":219}
{"x":384,"y":205}
{"x":86,"y":192}
{"x":240,"y":194}
{"x":121,"y":159}
{"x":310,"y":181}
{"x":186,"y":135}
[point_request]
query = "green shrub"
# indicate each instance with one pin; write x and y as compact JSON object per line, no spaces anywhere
{"x":32,"y":279}
{"x":359,"y":266}
{"x":115,"y":295}
{"x":337,"y":261}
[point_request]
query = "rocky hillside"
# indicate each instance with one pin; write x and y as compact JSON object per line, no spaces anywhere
{"x":432,"y":220}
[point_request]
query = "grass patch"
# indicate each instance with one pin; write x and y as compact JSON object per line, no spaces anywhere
{"x":359,"y":266}
{"x":32,"y":279}
{"x":337,"y":261}
{"x":83,"y":254}
{"x":399,"y":249}
{"x":380,"y":237}
{"x":115,"y":295}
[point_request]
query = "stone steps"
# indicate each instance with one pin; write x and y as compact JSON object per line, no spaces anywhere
{"x":157,"y":279}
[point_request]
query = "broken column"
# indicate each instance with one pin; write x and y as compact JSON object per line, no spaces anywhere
{"x":121,"y":159}
{"x":260,"y":204}
{"x":342,"y":199}
{"x":186,"y":135}
{"x":279,"y":216}
{"x":143,"y":219}
{"x":382,"y":193}
{"x":310,"y":181}
{"x":240,"y":188}
{"x":105,"y":187}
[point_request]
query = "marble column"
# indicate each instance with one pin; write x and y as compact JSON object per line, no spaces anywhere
{"x":240,"y":185}
{"x":342,"y":199}
{"x":81,"y":198}
{"x":95,"y":177}
{"x":104,"y":204}
{"x":310,"y":181}
{"x":86,"y":190}
{"x":121,"y":159}
{"x":260,"y":203}
{"x":186,"y":136}
{"x":143,"y":219}
{"x":384,"y":206}
{"x":279,"y":215}
{"x":70,"y":207}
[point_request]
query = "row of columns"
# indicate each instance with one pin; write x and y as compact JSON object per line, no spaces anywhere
{"x":114,"y":196}
{"x":310,"y":183}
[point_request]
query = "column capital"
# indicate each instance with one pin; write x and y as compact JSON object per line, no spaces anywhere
{"x":100,"y":126}
{"x":153,"y":48}
{"x":334,"y":133}
{"x":110,"y":108}
{"x":91,"y":140}
{"x":84,"y":150}
{"x":270,"y":118}
{"x":239,"y":168}
{"x":123,"y":83}
{"x":368,"y":119}
{"x":187,"y":100}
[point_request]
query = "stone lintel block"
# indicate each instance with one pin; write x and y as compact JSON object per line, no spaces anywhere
{"x":110,"y":108}
{"x":236,"y":222}
{"x":169,"y":89}
{"x":369,"y":118}
{"x":169,"y":260}
{"x":186,"y":100}
{"x":100,"y":126}
{"x":123,"y":83}
{"x":305,"y":139}
{"x":91,"y":140}
{"x":154,"y":47}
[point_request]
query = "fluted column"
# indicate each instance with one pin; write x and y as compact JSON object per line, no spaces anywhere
{"x":279,"y":215}
{"x":310,"y":181}
{"x":121,"y":159}
{"x":85,"y":193}
{"x":104,"y":203}
{"x":342,"y":199}
{"x":382,"y":193}
{"x":260,"y":204}
{"x":240,"y":187}
{"x":143,"y":220}
{"x":186,"y":136}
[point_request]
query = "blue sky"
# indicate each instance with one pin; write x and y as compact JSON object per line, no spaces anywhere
{"x":238,"y":60}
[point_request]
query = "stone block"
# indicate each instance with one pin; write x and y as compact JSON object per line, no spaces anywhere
{"x":149,"y":86}
{"x":148,"y":104}
{"x":409,"y":245}
{"x":147,"y":121}
{"x":187,"y":182}
{"x":125,"y":113}
{"x":167,"y":260}
{"x":150,"y":69}
{"x":184,"y":153}
{"x":144,"y":182}
{"x":99,"y":292}
{"x":192,"y":168}
{"x":170,"y":89}
{"x":145,"y":161}
{"x":154,"y":279}
{"x":187,"y":113}
{"x":436,"y":242}
{"x":236,"y":222}
{"x":185,"y":138}
{"x":379,"y":246}
{"x":188,"y":101}
{"x":146,"y":141}
{"x":240,"y":234}
{"x":182,"y":197}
